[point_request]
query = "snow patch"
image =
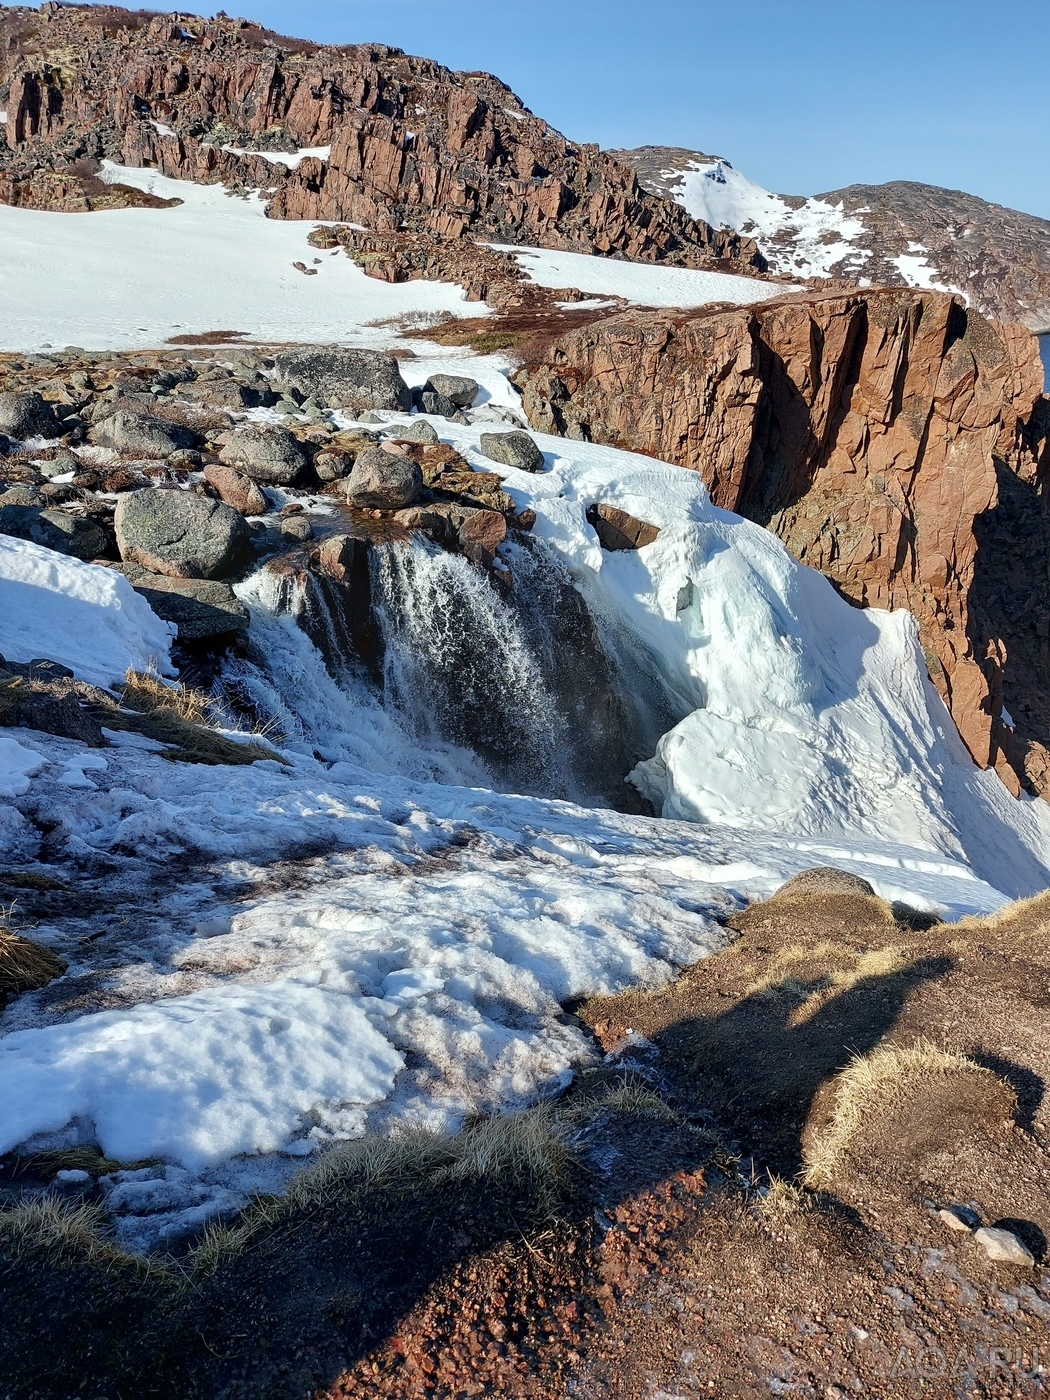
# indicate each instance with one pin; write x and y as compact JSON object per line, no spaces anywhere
{"x":17,"y":766}
{"x":292,"y":160}
{"x":83,"y":616}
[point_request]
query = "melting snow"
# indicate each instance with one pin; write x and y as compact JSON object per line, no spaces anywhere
{"x":291,"y":159}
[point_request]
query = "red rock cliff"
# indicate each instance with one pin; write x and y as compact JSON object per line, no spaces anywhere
{"x":864,"y":429}
{"x":413,"y":145}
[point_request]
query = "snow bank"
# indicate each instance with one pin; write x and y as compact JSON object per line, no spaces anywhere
{"x":17,"y":766}
{"x":83,"y":616}
{"x":647,"y":284}
{"x":128,"y":278}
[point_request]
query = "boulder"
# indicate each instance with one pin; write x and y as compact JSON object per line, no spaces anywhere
{"x":383,"y":480}
{"x":225,"y":394}
{"x":180,"y":534}
{"x":355,"y":380}
{"x":142,"y":435}
{"x":76,"y":535}
{"x":457,"y":387}
{"x":332,"y":466}
{"x":514,"y":449}
{"x":1003,"y":1246}
{"x":297,"y":527}
{"x":825,"y":879}
{"x":203,"y":610}
{"x":419,"y":431}
{"x":27,"y":415}
{"x":438,"y":405}
{"x":236,"y":489}
{"x":618,"y":530}
{"x":265,"y":452}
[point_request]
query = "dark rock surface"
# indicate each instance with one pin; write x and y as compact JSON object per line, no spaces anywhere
{"x":354,"y":380}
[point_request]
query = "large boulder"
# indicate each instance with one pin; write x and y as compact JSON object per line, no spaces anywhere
{"x":142,"y":435}
{"x":515,"y":449}
{"x":458,"y":387}
{"x":76,"y":535}
{"x":203,"y":610}
{"x":236,"y":489}
{"x":618,"y":530}
{"x":27,"y":415}
{"x":265,"y":452}
{"x":355,"y":380}
{"x":383,"y":480}
{"x":179,"y":533}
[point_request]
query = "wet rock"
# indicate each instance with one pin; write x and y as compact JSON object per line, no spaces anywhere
{"x":1003,"y":1246}
{"x":617,"y":530}
{"x":180,"y":534}
{"x":28,"y":415}
{"x":265,"y":452}
{"x":514,"y":449}
{"x":203,"y":610}
{"x":236,"y":489}
{"x":471,"y":531}
{"x":825,"y":879}
{"x":461,"y":390}
{"x":76,"y":535}
{"x":142,"y":435}
{"x":296,"y":527}
{"x":355,"y":380}
{"x":383,"y":480}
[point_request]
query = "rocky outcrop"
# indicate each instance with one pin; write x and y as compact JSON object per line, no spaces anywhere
{"x":901,"y":234}
{"x":865,"y":429}
{"x":403,"y":143}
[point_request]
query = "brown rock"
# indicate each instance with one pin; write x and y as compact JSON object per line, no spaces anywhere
{"x":863,"y":428}
{"x":236,"y":489}
{"x":618,"y":530}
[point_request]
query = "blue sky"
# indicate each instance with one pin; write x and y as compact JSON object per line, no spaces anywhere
{"x":802,"y":95}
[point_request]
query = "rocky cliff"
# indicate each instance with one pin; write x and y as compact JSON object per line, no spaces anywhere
{"x":868,"y":430}
{"x":898,"y":234}
{"x":395,"y":142}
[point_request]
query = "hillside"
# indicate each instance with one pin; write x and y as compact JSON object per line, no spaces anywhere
{"x":898,"y":234}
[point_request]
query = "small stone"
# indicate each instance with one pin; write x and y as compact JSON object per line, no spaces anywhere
{"x":331,"y":466}
{"x":825,"y":879}
{"x":437,"y":404}
{"x":141,"y":435}
{"x":958,"y":1218}
{"x":296,"y":527}
{"x":1003,"y":1246}
{"x":236,"y":489}
{"x":514,"y":449}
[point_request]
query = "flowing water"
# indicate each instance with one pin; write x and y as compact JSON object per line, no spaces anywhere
{"x":1044,"y":350}
{"x":431,"y":668}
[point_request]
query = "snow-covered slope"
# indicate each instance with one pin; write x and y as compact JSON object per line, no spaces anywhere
{"x":901,"y":233}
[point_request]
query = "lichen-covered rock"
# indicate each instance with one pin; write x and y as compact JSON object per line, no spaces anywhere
{"x":142,"y":435}
{"x":265,"y":452}
{"x":76,"y":535}
{"x":353,"y":380}
{"x":383,"y":480}
{"x":180,"y":534}
{"x":514,"y":449}
{"x":27,"y":415}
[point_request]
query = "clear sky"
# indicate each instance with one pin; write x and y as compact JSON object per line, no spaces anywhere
{"x":801,"y":95}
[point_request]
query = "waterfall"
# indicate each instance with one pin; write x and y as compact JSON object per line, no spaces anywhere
{"x":430,"y":667}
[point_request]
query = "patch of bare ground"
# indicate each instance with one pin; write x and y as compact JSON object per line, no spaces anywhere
{"x":744,"y":1201}
{"x":523,"y":333}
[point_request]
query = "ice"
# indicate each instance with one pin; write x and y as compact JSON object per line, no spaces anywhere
{"x":17,"y":766}
{"x":83,"y":616}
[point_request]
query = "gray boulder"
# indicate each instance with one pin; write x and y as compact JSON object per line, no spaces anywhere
{"x":203,"y":610}
{"x":419,"y":431}
{"x":515,"y":449}
{"x":76,"y":535}
{"x":27,"y":415}
{"x":355,"y":380}
{"x":141,"y":435}
{"x":331,"y":466}
{"x":457,"y":387}
{"x":383,"y":480}
{"x":438,"y":405}
{"x":265,"y":452}
{"x":179,"y":534}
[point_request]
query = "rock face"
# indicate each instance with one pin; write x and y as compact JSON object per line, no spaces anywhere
{"x":898,"y":234}
{"x":355,"y":380}
{"x":179,"y":534}
{"x":864,"y":429}
{"x":410,"y":145}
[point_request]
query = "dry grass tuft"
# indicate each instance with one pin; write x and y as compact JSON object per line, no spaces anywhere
{"x":877,"y":1085}
{"x":183,"y":719}
{"x":144,"y":690}
{"x":69,"y":1233}
{"x":782,"y":1200}
{"x":25,"y":966}
{"x":832,"y":970}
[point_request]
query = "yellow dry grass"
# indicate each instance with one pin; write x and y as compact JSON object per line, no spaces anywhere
{"x":70,"y":1232}
{"x":873,"y":1084}
{"x":25,"y":966}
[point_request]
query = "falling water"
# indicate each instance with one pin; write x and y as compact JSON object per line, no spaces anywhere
{"x":433,"y":669}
